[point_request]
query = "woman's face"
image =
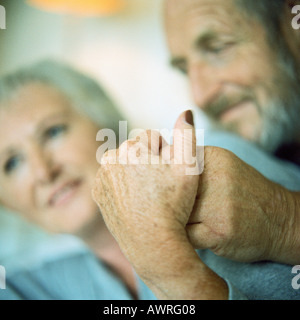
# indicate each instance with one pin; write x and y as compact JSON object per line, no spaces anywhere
{"x":47,"y":160}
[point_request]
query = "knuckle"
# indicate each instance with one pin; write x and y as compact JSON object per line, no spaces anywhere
{"x":109,"y":157}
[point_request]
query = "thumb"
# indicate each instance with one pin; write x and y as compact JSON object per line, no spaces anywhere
{"x":184,"y":142}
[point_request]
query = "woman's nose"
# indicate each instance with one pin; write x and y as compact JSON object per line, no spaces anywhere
{"x":43,"y":166}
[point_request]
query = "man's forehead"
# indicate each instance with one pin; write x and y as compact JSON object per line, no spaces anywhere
{"x":197,"y":16}
{"x":179,"y":14}
{"x":177,"y":7}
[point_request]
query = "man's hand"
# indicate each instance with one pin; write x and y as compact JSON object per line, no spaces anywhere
{"x":241,"y":215}
{"x":147,"y":207}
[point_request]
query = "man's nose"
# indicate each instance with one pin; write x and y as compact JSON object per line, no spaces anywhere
{"x":205,"y":84}
{"x":43,"y":167}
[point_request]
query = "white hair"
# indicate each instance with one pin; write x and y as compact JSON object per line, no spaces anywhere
{"x":85,"y":93}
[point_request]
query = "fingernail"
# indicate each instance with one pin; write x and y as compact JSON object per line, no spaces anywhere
{"x":189,"y":118}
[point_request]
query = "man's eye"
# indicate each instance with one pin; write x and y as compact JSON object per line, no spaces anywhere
{"x":55,"y":131}
{"x":218,"y":48}
{"x":180,"y":64}
{"x":12,"y":164}
{"x":182,"y":67}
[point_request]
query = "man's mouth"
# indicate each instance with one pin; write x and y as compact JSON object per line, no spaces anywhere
{"x":63,"y":193}
{"x":223,"y":110}
{"x":234,"y":111}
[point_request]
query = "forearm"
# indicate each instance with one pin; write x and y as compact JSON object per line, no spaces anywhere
{"x":287,"y":244}
{"x":183,"y":277}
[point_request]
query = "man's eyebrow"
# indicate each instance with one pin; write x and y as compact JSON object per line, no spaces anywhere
{"x":179,"y":62}
{"x":204,"y":38}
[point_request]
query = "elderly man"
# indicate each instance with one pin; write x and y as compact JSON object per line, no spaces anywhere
{"x":159,"y":215}
{"x":247,"y":87}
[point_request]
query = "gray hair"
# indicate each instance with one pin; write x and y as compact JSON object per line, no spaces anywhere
{"x":85,"y":93}
{"x":268,"y":12}
{"x":281,"y":120}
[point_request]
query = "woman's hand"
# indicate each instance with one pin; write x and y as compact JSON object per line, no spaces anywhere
{"x":147,"y":203}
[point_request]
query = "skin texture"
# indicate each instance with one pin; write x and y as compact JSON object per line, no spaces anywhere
{"x":146,"y":207}
{"x":237,"y":222}
{"x":158,"y":214}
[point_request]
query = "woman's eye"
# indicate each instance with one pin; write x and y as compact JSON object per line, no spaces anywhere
{"x":55,"y":131}
{"x":12,"y":164}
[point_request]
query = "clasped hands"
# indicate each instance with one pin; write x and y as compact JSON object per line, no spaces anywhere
{"x":159,"y":214}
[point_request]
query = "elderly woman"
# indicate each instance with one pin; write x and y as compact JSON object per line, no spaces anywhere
{"x":49,"y":117}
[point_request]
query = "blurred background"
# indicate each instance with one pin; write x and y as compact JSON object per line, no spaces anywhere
{"x":124,"y":49}
{"x":121,"y":43}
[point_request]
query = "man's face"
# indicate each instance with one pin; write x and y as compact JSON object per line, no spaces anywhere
{"x":234,"y":72}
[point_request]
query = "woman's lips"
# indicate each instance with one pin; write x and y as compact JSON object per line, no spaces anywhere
{"x":64,"y":193}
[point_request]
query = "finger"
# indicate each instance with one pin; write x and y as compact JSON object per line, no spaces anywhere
{"x":185,"y":139}
{"x":149,"y":145}
{"x":110,"y":157}
{"x":153,"y":140}
{"x":136,"y":151}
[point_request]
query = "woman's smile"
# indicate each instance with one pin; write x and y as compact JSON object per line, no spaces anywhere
{"x":64,"y":193}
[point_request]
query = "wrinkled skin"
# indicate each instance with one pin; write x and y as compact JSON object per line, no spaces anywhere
{"x":233,"y":219}
{"x":147,"y":207}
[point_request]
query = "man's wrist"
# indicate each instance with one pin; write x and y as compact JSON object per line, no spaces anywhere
{"x":292,"y":254}
{"x":287,"y":213}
